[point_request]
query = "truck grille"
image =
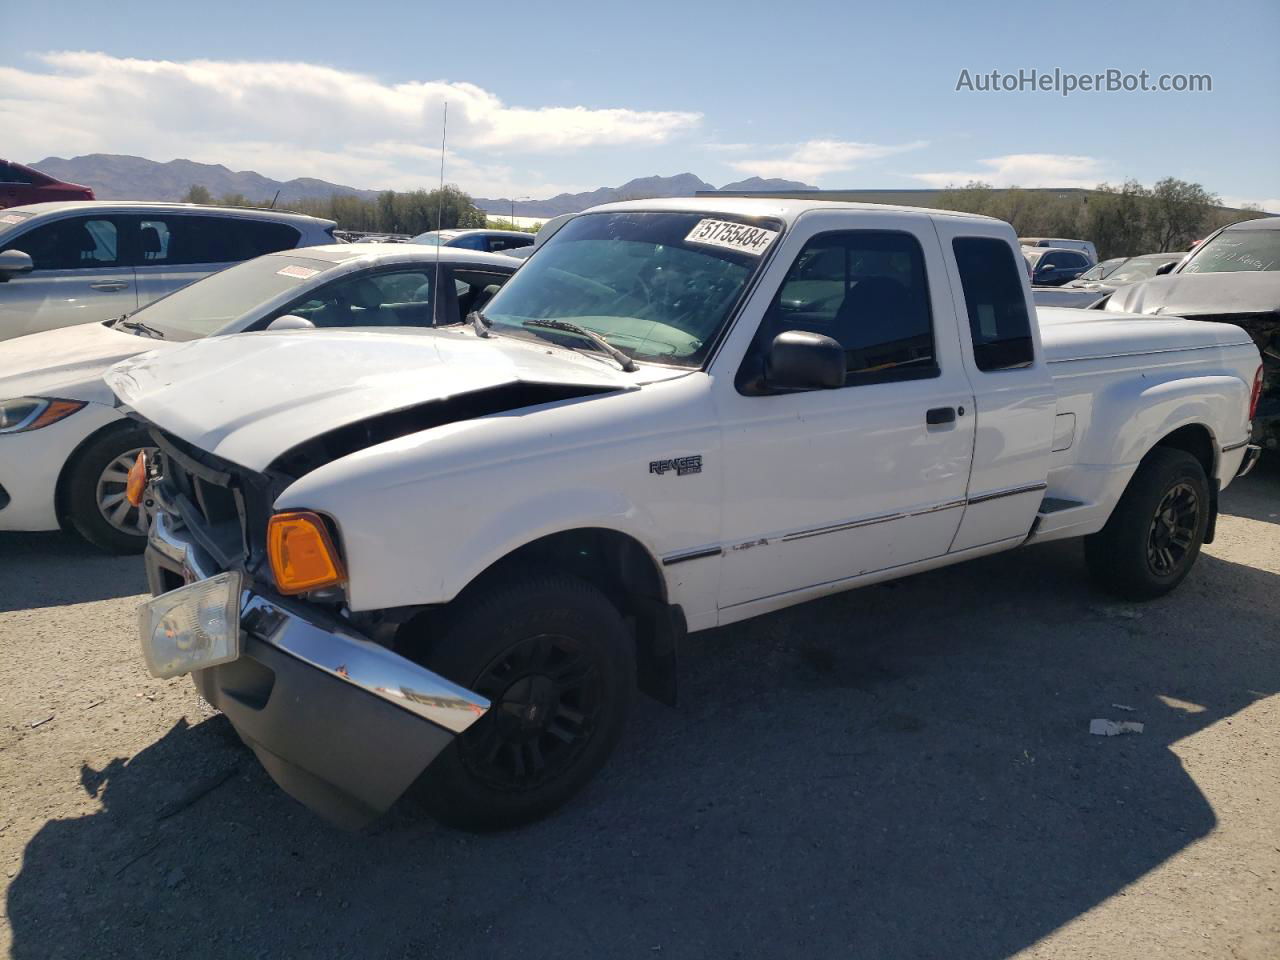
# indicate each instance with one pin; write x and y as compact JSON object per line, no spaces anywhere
{"x":224,"y":506}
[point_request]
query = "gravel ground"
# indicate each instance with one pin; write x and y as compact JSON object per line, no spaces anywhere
{"x":901,"y":771}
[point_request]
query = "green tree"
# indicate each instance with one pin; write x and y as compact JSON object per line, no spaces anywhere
{"x":197,"y":194}
{"x":1115,"y":219}
{"x":1177,"y":213}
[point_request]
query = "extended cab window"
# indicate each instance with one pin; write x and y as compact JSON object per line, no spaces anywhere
{"x":997,"y":307}
{"x":866,"y":289}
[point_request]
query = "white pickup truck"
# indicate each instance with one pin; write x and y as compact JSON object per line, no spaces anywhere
{"x":447,"y":558}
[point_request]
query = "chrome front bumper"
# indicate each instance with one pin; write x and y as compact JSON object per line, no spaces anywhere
{"x":341,"y":723}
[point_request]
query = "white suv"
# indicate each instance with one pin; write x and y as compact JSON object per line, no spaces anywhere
{"x":73,"y":262}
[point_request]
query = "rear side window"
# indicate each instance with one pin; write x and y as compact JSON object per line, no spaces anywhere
{"x":11,"y":174}
{"x":180,"y":239}
{"x":498,"y":244}
{"x":475,"y":241}
{"x":71,"y":244}
{"x":997,"y":308}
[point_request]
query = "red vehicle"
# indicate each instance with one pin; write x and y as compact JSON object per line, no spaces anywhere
{"x":21,"y":185}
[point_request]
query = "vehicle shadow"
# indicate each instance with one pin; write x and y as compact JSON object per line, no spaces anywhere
{"x":54,"y":569}
{"x":1257,"y":496}
{"x":902,"y":771}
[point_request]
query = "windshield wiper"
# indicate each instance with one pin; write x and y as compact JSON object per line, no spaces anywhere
{"x":624,"y":361}
{"x":139,"y":326}
{"x":480,"y":323}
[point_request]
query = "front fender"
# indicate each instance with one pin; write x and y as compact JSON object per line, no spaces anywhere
{"x":422,"y":516}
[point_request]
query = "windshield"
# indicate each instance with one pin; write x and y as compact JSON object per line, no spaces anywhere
{"x":203,"y":307}
{"x":434,"y":238}
{"x":1101,"y":270}
{"x":1142,"y":268}
{"x":658,"y":286}
{"x":1234,"y":250}
{"x":9,"y":220}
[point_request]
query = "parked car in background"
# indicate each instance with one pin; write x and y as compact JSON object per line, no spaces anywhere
{"x":492,"y":241}
{"x":1062,"y":243}
{"x":465,"y":560}
{"x":21,"y":185}
{"x":1232,"y":276}
{"x":1103,"y":279}
{"x":545,"y":233}
{"x":65,"y":449}
{"x":69,"y":263}
{"x":1051,"y":267}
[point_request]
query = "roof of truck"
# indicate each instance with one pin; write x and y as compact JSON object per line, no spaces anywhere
{"x":787,"y":210}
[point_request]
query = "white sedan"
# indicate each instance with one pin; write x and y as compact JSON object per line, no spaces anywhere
{"x":65,"y":449}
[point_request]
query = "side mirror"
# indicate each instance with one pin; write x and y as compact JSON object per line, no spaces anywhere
{"x":1166,"y":268}
{"x":291,"y":322}
{"x":799,"y":360}
{"x":13,"y":263}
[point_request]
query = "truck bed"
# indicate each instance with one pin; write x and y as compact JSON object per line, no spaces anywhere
{"x":1112,"y":372}
{"x":1069,"y":334}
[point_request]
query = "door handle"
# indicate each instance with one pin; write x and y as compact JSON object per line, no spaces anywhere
{"x":940,"y":415}
{"x":110,"y":285}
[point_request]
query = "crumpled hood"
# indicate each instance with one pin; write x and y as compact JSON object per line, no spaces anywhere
{"x":69,"y":362}
{"x":250,"y":397}
{"x":1201,"y":294}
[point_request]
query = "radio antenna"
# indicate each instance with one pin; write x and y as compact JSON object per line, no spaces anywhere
{"x":435,"y":294}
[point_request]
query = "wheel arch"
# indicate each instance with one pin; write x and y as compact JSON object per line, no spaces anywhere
{"x":60,"y":490}
{"x":1196,"y":439}
{"x":625,"y":571}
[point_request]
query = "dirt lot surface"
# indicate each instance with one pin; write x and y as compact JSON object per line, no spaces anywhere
{"x":901,"y":771}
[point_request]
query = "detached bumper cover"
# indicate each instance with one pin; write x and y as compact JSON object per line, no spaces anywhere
{"x":340,"y":723}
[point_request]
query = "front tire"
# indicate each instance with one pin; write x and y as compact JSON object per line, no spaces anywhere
{"x":1154,"y":535}
{"x":556,"y":660}
{"x":96,"y":505}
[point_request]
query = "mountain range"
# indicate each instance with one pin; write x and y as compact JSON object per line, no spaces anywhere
{"x":120,"y":177}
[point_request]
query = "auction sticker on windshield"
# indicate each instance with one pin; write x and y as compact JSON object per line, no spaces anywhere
{"x":297,"y":272}
{"x":732,"y":236}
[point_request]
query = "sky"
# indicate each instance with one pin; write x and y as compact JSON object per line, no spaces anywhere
{"x":547,"y":96}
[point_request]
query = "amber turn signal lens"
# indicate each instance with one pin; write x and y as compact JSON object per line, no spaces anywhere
{"x":302,"y":553}
{"x":136,"y":485}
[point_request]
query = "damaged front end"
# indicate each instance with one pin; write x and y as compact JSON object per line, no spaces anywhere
{"x":340,"y":721}
{"x":1264,"y":329}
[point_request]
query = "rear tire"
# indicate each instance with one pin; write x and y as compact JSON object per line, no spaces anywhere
{"x":557,"y":662}
{"x":1154,"y":535}
{"x":95,"y":488}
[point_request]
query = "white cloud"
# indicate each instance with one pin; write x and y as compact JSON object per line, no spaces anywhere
{"x":1024,"y":170}
{"x":812,"y":160}
{"x":1269,"y":204}
{"x":299,"y":119}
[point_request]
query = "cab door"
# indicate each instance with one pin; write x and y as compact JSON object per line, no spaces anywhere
{"x":826,"y":485}
{"x":1014,"y":397}
{"x":81,"y":274}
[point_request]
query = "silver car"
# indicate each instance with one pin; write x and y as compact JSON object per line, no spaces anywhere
{"x":72,"y":262}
